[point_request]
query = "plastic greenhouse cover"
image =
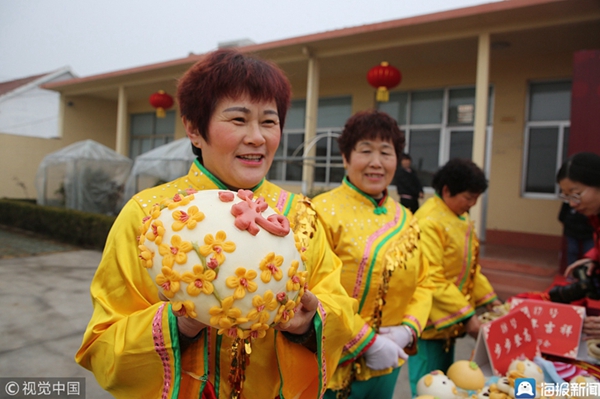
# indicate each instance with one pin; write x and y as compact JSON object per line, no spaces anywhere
{"x":162,"y":164}
{"x":85,"y":176}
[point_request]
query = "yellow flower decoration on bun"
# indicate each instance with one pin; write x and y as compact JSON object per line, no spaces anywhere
{"x":285,"y":312}
{"x":156,"y":232}
{"x":185,"y":308}
{"x":262,"y":307}
{"x":199,"y":281}
{"x":216,"y":246}
{"x":176,"y":252}
{"x":294,"y":283}
{"x":146,"y":256}
{"x":271,"y":266}
{"x":169,"y":281}
{"x":187,"y":219}
{"x":242,"y":281}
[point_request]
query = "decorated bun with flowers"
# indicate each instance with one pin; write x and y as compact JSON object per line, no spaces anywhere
{"x":225,"y":259}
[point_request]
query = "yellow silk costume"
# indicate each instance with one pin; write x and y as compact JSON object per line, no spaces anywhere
{"x":370,"y":238}
{"x":451,"y":245}
{"x":132,"y":344}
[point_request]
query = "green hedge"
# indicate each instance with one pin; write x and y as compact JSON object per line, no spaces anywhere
{"x":83,"y":229}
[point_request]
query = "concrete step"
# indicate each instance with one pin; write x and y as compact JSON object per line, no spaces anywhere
{"x":513,"y":270}
{"x":510,"y":283}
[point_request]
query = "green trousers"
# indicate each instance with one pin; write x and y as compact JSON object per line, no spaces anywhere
{"x":376,"y":388}
{"x":430,"y":356}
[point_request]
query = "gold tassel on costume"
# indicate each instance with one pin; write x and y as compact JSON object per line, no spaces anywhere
{"x":240,"y":358}
{"x":344,"y":393}
{"x":395,"y":257}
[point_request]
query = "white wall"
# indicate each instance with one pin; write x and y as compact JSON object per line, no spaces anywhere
{"x":31,"y":111}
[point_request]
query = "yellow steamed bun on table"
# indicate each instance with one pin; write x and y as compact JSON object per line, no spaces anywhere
{"x":225,"y":259}
{"x":466,"y":375}
{"x":437,"y":384}
{"x":528,"y":368}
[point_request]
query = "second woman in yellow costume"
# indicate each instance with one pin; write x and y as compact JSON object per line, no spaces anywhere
{"x":377,"y":240}
{"x":449,"y":242}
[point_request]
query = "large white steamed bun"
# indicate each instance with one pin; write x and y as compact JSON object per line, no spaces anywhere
{"x":225,"y":259}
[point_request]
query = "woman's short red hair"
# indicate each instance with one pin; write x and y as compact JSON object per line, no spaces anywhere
{"x":228,"y":73}
{"x":370,"y":125}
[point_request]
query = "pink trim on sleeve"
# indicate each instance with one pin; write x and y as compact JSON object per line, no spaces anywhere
{"x":161,"y":350}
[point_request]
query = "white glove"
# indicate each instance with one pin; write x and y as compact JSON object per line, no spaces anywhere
{"x":401,"y":335}
{"x":383,"y":353}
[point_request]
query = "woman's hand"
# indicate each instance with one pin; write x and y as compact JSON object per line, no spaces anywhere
{"x":591,"y":327}
{"x":490,"y":306}
{"x":188,"y":327}
{"x":577,"y":263}
{"x":383,"y":354}
{"x":303,"y":315}
{"x":472,"y":327}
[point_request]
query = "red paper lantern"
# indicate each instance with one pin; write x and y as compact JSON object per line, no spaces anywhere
{"x":161,"y":101}
{"x":384,"y":77}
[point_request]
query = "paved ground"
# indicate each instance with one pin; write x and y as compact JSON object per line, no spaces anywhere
{"x":44,"y":288}
{"x":20,"y":243}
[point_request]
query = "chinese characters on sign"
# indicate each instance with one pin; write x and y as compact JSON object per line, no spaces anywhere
{"x":505,"y":339}
{"x":557,"y":326}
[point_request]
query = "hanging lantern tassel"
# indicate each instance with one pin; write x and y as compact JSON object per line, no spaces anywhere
{"x":161,"y":101}
{"x":383,"y":95}
{"x":384,"y":77}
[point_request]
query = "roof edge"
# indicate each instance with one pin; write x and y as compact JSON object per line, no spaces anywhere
{"x":494,"y":6}
{"x":37,"y":82}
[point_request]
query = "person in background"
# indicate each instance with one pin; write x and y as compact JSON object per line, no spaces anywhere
{"x":579,"y":181}
{"x":233,"y":108}
{"x":377,"y":240}
{"x":577,"y":232}
{"x":450,"y":244}
{"x":407,"y":184}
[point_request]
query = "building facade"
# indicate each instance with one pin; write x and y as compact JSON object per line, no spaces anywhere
{"x":495,"y":83}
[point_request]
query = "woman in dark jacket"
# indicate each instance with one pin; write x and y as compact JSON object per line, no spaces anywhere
{"x":579,"y":181}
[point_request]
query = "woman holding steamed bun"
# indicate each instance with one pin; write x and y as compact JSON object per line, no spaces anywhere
{"x":233,"y":107}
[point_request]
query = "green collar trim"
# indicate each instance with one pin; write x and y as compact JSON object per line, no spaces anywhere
{"x":379,"y":206}
{"x":218,"y":182}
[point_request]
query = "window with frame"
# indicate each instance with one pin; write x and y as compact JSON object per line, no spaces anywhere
{"x":438,"y":125}
{"x":546,"y":137}
{"x":149,"y":132}
{"x":331,"y":117}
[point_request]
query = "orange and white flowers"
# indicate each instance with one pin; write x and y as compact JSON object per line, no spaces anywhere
{"x":216,"y":246}
{"x":199,"y":281}
{"x":263,"y":305}
{"x":146,"y":256}
{"x":168,"y":281}
{"x":242,"y":282}
{"x":271,"y":267}
{"x":187,"y":219}
{"x":176,"y":252}
{"x":156,"y":232}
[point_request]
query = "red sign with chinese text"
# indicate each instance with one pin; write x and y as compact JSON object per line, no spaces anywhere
{"x":557,"y":325}
{"x":505,"y":339}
